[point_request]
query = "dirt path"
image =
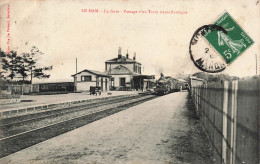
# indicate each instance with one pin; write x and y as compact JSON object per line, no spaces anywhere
{"x":163,"y":130}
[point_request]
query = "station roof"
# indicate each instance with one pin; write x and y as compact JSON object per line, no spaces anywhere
{"x":145,"y":76}
{"x":123,"y":59}
{"x":98,"y":73}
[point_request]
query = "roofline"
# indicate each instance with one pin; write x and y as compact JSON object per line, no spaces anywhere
{"x":113,"y":62}
{"x":85,"y":70}
{"x":196,"y":78}
{"x":54,"y":82}
{"x":121,"y":74}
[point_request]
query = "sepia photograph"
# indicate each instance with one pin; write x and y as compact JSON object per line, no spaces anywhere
{"x":129,"y":81}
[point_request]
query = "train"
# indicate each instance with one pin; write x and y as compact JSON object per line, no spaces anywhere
{"x":165,"y":85}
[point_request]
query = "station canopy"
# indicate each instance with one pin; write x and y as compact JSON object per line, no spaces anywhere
{"x":144,"y":76}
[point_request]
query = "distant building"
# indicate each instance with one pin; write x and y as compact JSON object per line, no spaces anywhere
{"x":126,"y":73}
{"x":195,"y":81}
{"x":86,"y":78}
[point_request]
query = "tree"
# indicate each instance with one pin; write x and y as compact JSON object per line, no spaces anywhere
{"x":23,"y":68}
{"x":24,"y":65}
{"x":11,"y":64}
{"x":31,"y":59}
{"x":202,"y":75}
{"x":2,"y":55}
{"x":214,"y":77}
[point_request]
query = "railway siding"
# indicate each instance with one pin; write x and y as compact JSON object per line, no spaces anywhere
{"x":37,"y":108}
{"x":13,"y":125}
{"x":163,"y":130}
{"x":21,"y":139}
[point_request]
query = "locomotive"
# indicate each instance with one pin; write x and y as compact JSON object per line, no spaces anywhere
{"x":165,"y":85}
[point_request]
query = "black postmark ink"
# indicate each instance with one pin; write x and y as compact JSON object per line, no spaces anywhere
{"x":203,"y":56}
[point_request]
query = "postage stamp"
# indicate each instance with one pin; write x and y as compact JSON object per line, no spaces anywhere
{"x":229,"y":45}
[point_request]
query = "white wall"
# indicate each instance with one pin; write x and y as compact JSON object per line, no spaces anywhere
{"x":117,"y":79}
{"x":84,"y":86}
{"x":93,"y":77}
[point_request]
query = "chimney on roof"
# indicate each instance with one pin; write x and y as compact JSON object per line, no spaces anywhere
{"x":119,"y":53}
{"x":134,"y":56}
{"x":127,"y":54}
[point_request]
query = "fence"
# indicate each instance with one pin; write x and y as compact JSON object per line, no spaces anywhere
{"x":230,"y":113}
{"x":22,"y":89}
{"x":34,"y":88}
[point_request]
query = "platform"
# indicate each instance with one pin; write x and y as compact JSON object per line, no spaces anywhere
{"x":31,"y":102}
{"x":162,"y":130}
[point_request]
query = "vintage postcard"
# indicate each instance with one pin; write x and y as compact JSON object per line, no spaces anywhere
{"x":120,"y":81}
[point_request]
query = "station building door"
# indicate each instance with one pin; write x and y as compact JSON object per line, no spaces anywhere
{"x":101,"y":84}
{"x":106,"y":84}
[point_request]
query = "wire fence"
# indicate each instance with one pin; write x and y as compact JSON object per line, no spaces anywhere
{"x":230,"y":113}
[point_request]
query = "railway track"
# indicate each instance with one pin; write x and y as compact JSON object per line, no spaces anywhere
{"x":27,"y":131}
{"x":12,"y":125}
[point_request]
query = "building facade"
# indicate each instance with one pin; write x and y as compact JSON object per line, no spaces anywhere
{"x":195,"y":81}
{"x":86,"y":78}
{"x":126,"y":73}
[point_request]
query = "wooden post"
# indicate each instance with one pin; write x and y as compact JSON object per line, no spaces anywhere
{"x":258,"y":104}
{"x":224,"y":130}
{"x":140,"y":84}
{"x":233,"y":122}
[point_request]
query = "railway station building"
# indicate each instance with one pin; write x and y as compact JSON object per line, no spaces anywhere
{"x":126,"y":73}
{"x":86,"y":78}
{"x":195,"y":81}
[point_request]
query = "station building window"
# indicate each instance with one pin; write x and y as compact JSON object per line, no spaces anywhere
{"x":122,"y":81}
{"x":112,"y":82}
{"x":86,"y":78}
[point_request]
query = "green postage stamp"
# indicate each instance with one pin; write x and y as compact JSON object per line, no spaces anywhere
{"x":233,"y":43}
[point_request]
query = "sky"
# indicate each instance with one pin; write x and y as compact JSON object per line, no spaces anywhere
{"x":161,"y":41}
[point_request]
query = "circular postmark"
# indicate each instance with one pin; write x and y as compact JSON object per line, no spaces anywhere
{"x":202,"y":54}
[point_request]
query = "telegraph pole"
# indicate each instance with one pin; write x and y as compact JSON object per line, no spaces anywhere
{"x":75,"y":78}
{"x":76,"y":65}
